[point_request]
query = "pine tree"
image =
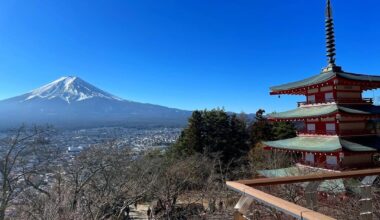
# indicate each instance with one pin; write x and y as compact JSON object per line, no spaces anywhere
{"x":212,"y":132}
{"x":264,"y":130}
{"x":261,"y":129}
{"x":283,"y":130}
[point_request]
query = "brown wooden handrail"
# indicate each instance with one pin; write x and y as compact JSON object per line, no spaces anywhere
{"x":341,"y":132}
{"x":287,"y":207}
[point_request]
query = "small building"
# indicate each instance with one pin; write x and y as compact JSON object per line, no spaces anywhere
{"x":74,"y":150}
{"x":340,"y":125}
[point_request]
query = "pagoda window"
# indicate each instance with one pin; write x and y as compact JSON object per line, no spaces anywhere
{"x":330,"y":128}
{"x":309,"y":157}
{"x":311,"y":99}
{"x":329,"y":97}
{"x":311,"y":128}
{"x":331,"y":160}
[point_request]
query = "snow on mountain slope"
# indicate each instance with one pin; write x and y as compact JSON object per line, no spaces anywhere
{"x":69,"y":89}
{"x":70,"y":101}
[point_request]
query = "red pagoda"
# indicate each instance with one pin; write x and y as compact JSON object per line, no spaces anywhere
{"x":340,"y":129}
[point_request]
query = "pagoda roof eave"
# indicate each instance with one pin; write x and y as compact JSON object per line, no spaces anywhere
{"x":336,"y":185}
{"x":359,"y":77}
{"x":326,"y":111}
{"x":300,"y":87}
{"x":327,"y":144}
{"x":308,"y":144}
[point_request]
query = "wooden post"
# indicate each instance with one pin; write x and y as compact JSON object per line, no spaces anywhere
{"x":365,"y":203}
{"x":311,"y":194}
{"x":243,"y":206}
{"x":238,"y":216}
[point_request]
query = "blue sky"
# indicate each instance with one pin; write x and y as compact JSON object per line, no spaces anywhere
{"x":188,"y":54}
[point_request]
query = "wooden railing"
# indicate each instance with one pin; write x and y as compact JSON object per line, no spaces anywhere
{"x":334,"y":132}
{"x":245,"y":188}
{"x":339,"y":100}
{"x":323,"y":164}
{"x":317,"y":132}
{"x":281,"y":205}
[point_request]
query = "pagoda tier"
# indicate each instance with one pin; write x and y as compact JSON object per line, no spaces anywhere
{"x":333,"y":135}
{"x":331,"y":152}
{"x":332,"y":119}
{"x":327,"y":144}
{"x":324,"y":111}
{"x":331,"y":80}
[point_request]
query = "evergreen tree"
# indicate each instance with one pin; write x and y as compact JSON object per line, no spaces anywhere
{"x":211,"y":132}
{"x":215,"y":131}
{"x":261,"y":129}
{"x":264,"y":130}
{"x":191,"y":139}
{"x":283,"y":130}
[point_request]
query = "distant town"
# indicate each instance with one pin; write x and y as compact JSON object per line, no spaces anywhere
{"x":137,"y":139}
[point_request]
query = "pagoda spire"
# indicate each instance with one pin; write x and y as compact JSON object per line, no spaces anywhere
{"x":330,"y":40}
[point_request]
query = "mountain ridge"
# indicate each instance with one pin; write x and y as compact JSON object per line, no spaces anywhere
{"x":71,"y":101}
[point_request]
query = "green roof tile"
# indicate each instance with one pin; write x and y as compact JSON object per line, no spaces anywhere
{"x":306,"y":112}
{"x":323,"y":110}
{"x":359,"y":77}
{"x":328,"y":143}
{"x":336,"y":186}
{"x":323,"y":77}
{"x":315,"y":144}
{"x":361,"y":143}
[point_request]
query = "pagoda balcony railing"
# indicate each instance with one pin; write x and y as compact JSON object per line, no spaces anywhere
{"x":339,"y":100}
{"x":334,"y":132}
{"x":320,"y":164}
{"x":316,"y":132}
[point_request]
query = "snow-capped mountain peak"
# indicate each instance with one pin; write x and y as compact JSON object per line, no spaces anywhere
{"x":70,"y":89}
{"x":73,"y":103}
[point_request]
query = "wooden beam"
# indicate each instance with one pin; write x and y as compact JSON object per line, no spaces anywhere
{"x":284,"y":206}
{"x":311,"y":177}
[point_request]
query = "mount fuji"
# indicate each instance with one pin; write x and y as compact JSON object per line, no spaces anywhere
{"x":72,"y":102}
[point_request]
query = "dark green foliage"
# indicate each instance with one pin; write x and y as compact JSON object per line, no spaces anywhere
{"x":261,"y":129}
{"x":212,"y":132}
{"x":264,"y":130}
{"x":216,"y":132}
{"x":283,"y":130}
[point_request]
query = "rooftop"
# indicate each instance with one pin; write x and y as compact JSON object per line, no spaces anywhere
{"x":328,"y":144}
{"x":325,"y":110}
{"x":324,"y":77}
